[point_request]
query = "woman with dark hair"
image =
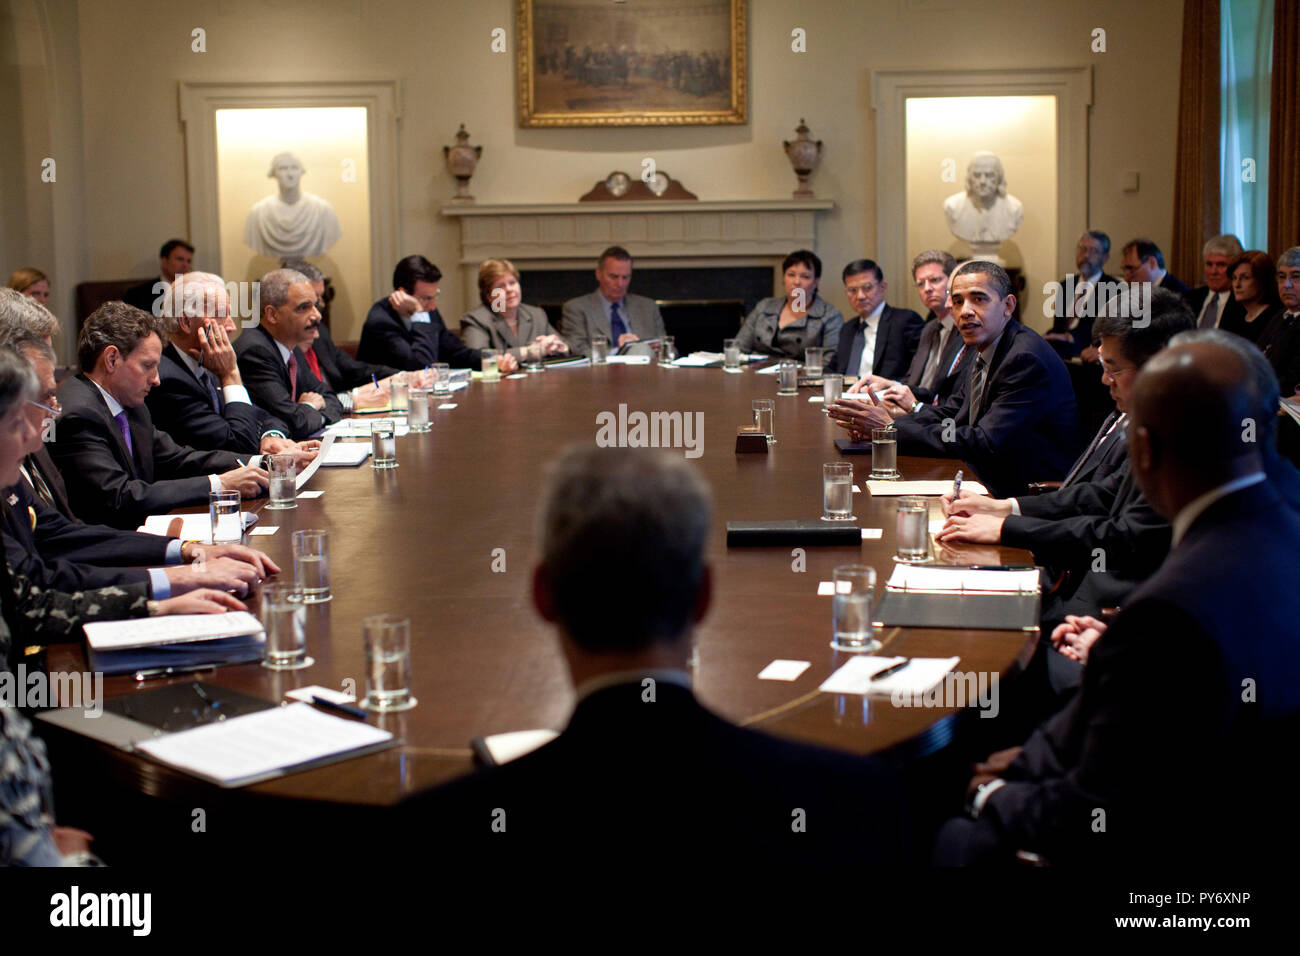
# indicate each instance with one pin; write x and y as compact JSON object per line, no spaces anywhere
{"x":1253,"y":275}
{"x":786,"y":325}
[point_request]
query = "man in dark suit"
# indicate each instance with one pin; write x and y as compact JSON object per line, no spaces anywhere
{"x":1212,"y":301}
{"x":882,"y":339}
{"x":610,"y":312}
{"x":1013,"y":419}
{"x":271,"y":357}
{"x":1166,"y":755}
{"x":117,"y":467}
{"x":1144,"y":262}
{"x":1079,"y":300}
{"x":405,"y":331}
{"x":201,"y":399}
{"x":642,"y":762}
{"x":176,"y":257}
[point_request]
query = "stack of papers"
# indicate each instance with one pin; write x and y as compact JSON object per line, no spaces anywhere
{"x":193,"y":527}
{"x":937,"y":579}
{"x":179,"y":640}
{"x":920,"y":674}
{"x":346,"y":454}
{"x":360,"y":427}
{"x":892,"y":488}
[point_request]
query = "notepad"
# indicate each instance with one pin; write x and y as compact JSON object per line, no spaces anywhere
{"x":919,"y":676}
{"x":195,"y":527}
{"x":892,"y":488}
{"x":942,"y":579}
{"x":178,"y":640}
{"x":347,"y":454}
{"x":270,"y":743}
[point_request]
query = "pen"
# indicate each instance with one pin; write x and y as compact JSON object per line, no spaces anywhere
{"x":894,"y":669}
{"x":341,"y":708}
{"x":956,"y":485}
{"x":171,"y":671}
{"x":374,"y":380}
{"x":242,"y":463}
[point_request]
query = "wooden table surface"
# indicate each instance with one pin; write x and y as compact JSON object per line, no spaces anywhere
{"x":420,"y":541}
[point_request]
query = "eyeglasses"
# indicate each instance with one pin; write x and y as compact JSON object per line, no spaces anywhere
{"x":55,"y":411}
{"x":1113,"y":373}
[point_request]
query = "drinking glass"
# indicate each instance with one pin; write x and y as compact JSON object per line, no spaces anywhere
{"x":599,"y":351}
{"x":284,"y":617}
{"x":417,"y":412}
{"x":533,"y":359}
{"x":814,"y":360}
{"x":764,"y":417}
{"x":383,"y":444}
{"x":855,"y":586}
{"x":441,"y":377}
{"x":667,"y":350}
{"x":832,"y":389}
{"x":913,"y":529}
{"x":837,"y":491}
{"x":223,"y":512}
{"x":283,"y":470}
{"x":730,"y":356}
{"x":311,"y":565}
{"x":788,"y":377}
{"x":388,"y":663}
{"x":397,"y":388}
{"x":884,"y":453}
{"x":491,"y":365}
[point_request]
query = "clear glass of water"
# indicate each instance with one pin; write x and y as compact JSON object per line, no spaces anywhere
{"x":223,"y":512}
{"x":383,"y":444}
{"x":787,"y":375}
{"x":884,"y":453}
{"x":533,"y":359}
{"x":730,"y":356}
{"x":441,"y":378}
{"x":398,"y":389}
{"x":913,"y":529}
{"x":667,"y":350}
{"x":855,"y":587}
{"x":837,"y":491}
{"x":491,"y":365}
{"x":417,"y":412}
{"x":764,"y":417}
{"x":599,"y":351}
{"x":388,"y":663}
{"x":311,"y":564}
{"x":832,"y":388}
{"x":814,"y":360}
{"x":284,"y":616}
{"x":283,"y":470}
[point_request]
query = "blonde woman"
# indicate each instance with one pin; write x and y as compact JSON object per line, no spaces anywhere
{"x":503,"y":322}
{"x":32,"y":283}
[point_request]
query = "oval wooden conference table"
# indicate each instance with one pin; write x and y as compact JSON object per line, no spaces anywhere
{"x":420,"y":541}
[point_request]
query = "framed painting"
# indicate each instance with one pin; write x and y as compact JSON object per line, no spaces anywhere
{"x":652,"y":63}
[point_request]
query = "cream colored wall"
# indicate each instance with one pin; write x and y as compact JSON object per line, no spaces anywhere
{"x":132,"y":52}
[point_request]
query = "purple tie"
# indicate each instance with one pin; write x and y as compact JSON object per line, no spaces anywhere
{"x":293,"y":377}
{"x":617,"y":326}
{"x":125,"y":428}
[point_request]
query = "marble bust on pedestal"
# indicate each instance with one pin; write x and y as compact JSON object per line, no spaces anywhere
{"x":984,"y":215}
{"x":291,"y":223}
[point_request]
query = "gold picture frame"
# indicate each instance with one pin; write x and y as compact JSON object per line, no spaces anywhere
{"x":661,"y":63}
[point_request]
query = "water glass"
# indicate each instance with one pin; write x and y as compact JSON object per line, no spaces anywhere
{"x":388,"y":663}
{"x":533,"y":359}
{"x":730,"y":356}
{"x":884,"y":453}
{"x":832,"y":389}
{"x":311,"y":565}
{"x":787,"y":375}
{"x":397,"y":388}
{"x":223,"y":512}
{"x":764,"y":417}
{"x":284,"y":617}
{"x":417,"y":412}
{"x":283,"y":470}
{"x":599,"y":351}
{"x":441,"y":377}
{"x":837,"y":491}
{"x":814,"y":360}
{"x":913,"y":529}
{"x":855,"y":587}
{"x":491,"y":365}
{"x":667,"y":350}
{"x":383,"y":444}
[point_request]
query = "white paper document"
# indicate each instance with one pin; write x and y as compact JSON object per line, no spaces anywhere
{"x":1292,"y":407}
{"x":891,"y":488}
{"x":193,"y":527}
{"x":251,"y":747}
{"x":172,"y":629}
{"x":304,"y":476}
{"x":360,"y":427}
{"x":510,"y":746}
{"x":920,"y":674}
{"x":347,"y":454}
{"x":937,"y":578}
{"x":869,"y":534}
{"x":783,"y":670}
{"x":628,"y":359}
{"x":305,"y":694}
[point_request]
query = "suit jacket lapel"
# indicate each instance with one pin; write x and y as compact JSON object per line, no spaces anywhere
{"x":1004,"y":346}
{"x":142,"y":439}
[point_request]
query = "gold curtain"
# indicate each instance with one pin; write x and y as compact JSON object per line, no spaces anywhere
{"x":1284,"y":134}
{"x":1196,"y":171}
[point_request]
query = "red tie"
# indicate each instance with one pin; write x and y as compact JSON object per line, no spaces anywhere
{"x":293,"y":377}
{"x":313,"y":363}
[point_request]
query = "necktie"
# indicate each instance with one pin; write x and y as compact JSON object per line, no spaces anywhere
{"x":1079,"y":298}
{"x":38,"y":484}
{"x":1106,"y":428}
{"x":977,"y":376}
{"x":313,"y":363}
{"x":206,"y":378}
{"x":293,"y":377}
{"x":930,"y":375}
{"x":125,"y":427}
{"x":1211,"y":312}
{"x":617,"y":326}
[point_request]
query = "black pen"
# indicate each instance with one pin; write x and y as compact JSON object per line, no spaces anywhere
{"x":171,"y":671}
{"x":894,"y":669}
{"x":341,"y":708}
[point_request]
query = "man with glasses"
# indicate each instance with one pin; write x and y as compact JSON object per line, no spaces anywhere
{"x":1078,"y":304}
{"x":881,"y":339}
{"x":1144,"y":262}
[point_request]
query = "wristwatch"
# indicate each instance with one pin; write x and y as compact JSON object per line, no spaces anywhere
{"x":981,"y":796}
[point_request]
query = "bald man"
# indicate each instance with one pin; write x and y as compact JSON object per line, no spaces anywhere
{"x":1167,"y":752}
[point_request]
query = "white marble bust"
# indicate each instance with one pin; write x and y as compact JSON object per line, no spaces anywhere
{"x":291,"y":223}
{"x":984,"y":215}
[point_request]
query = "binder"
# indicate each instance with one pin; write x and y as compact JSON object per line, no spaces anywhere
{"x":742,"y":534}
{"x":982,"y":606}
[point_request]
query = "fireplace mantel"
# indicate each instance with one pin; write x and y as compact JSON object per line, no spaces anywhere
{"x":660,"y":233}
